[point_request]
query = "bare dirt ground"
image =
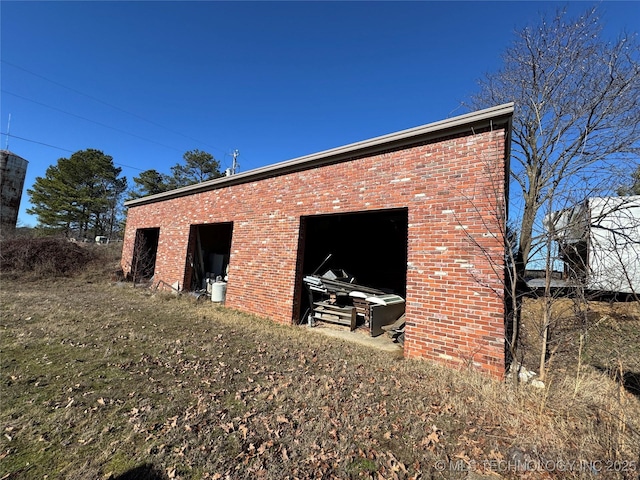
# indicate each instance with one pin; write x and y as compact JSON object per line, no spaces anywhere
{"x":103,"y":381}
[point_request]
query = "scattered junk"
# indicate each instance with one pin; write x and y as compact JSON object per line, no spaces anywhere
{"x":378,"y":310}
{"x":218,"y":291}
{"x":214,"y":287}
{"x":102,"y":240}
{"x":334,"y":297}
{"x":396,"y":330}
{"x":175,"y":288}
{"x":209,"y":259}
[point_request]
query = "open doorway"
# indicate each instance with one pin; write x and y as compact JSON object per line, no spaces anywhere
{"x":369,"y":248}
{"x":209,"y":253}
{"x":576,"y":260}
{"x":145,"y":250}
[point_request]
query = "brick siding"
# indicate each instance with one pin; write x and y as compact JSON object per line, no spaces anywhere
{"x":453,"y":189}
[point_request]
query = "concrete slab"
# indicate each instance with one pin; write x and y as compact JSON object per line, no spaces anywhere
{"x":360,"y":336}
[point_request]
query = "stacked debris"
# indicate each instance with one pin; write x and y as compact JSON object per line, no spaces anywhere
{"x":396,"y":330}
{"x":335,"y":297}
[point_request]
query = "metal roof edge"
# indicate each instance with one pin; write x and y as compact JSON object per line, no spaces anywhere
{"x":393,"y":140}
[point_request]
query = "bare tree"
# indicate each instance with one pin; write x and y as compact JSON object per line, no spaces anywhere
{"x":577,"y":105}
{"x":144,"y":259}
{"x":597,"y":242}
{"x":575,"y":128}
{"x":591,"y":246}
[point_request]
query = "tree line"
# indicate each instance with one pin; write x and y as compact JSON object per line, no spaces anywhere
{"x":82,"y":196}
{"x":198,"y":167}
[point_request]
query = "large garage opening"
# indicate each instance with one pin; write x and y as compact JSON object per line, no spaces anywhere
{"x":145,"y":250}
{"x":209,"y":253}
{"x":368,"y":249}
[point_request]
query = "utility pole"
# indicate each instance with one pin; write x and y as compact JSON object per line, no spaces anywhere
{"x":234,"y":165}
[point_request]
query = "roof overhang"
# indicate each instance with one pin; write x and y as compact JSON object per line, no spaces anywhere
{"x":494,"y":117}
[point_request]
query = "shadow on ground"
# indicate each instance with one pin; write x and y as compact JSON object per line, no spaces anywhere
{"x":630,"y":380}
{"x":143,"y":472}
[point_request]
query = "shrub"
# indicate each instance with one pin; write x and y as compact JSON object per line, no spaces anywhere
{"x":44,"y":256}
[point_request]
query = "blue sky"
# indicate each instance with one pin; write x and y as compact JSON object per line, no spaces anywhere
{"x":147,"y":81}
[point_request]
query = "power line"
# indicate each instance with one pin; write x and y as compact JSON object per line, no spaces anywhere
{"x":110,"y":105}
{"x":89,"y":120}
{"x":63,"y":149}
{"x":35,"y":141}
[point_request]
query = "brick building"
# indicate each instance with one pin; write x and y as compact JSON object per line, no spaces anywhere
{"x":419,"y":212}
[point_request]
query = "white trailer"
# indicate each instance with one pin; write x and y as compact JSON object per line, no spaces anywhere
{"x":599,"y":243}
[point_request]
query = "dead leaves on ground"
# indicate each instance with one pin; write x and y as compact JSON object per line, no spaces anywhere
{"x":232,"y":404}
{"x":252,"y":420}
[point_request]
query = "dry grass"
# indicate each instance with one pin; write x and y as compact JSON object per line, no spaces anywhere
{"x":105,"y":381}
{"x":610,"y":341}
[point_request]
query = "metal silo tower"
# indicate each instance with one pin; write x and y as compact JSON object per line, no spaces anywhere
{"x":13,"y":170}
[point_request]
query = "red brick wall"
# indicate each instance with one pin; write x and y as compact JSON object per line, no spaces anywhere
{"x":453,"y":190}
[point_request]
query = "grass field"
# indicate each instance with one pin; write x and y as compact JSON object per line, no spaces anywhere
{"x":104,"y":381}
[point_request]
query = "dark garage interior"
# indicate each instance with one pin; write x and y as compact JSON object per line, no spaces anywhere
{"x":210,"y":249}
{"x":371,"y":247}
{"x":144,"y":253}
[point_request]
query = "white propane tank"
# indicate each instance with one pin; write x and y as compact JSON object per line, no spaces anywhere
{"x":218,"y":292}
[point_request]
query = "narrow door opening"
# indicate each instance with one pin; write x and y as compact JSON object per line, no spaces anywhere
{"x":145,"y":250}
{"x":209,"y":253}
